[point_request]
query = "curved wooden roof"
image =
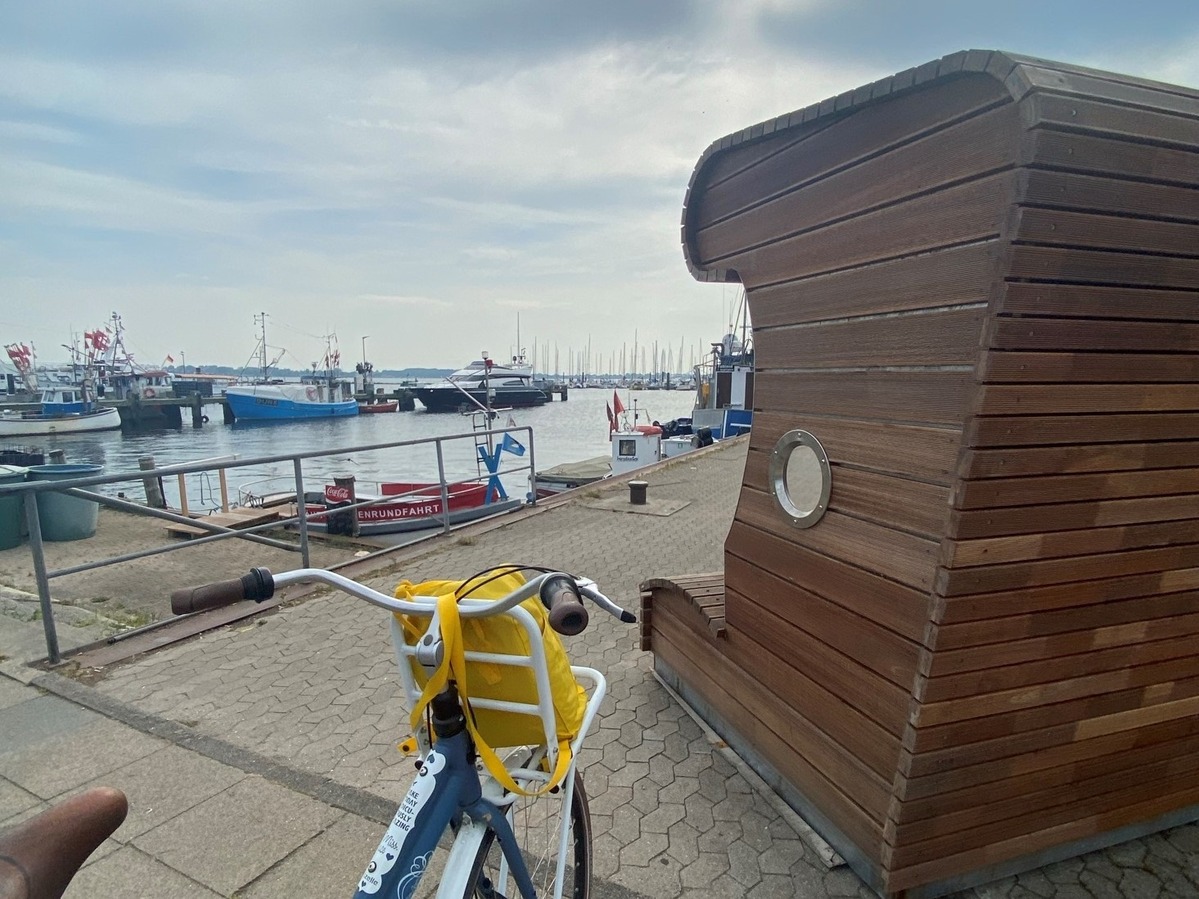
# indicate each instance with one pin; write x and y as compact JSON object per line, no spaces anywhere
{"x":1020,"y":75}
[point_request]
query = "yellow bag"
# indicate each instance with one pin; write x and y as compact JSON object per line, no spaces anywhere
{"x":499,"y":634}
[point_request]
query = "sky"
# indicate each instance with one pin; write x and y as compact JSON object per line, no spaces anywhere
{"x":429,"y":180}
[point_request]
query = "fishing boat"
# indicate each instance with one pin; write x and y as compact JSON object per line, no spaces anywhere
{"x":484,"y":383}
{"x":636,"y":442}
{"x":374,"y":406}
{"x":63,"y":410}
{"x":399,"y":507}
{"x":317,"y":395}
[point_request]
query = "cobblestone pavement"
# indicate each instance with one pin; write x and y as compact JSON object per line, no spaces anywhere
{"x":674,"y":813}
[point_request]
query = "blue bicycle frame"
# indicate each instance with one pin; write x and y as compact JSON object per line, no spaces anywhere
{"x":446,"y":787}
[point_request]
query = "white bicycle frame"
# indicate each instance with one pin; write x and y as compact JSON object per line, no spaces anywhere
{"x":466,"y":844}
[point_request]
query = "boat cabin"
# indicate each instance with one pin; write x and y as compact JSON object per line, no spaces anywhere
{"x":955,"y":625}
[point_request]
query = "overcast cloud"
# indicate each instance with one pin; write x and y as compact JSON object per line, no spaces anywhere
{"x":423,"y":172}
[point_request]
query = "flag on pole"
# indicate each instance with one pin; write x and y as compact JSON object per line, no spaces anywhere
{"x":617,"y":405}
{"x":611,"y":418}
{"x":512,"y":445}
{"x":170,"y":360}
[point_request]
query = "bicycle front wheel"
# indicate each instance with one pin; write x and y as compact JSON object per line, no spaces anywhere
{"x":537,"y":825}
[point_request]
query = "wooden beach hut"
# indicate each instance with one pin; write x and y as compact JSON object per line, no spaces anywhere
{"x":958,"y":622}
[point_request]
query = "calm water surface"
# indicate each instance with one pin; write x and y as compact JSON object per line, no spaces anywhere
{"x":562,"y":432}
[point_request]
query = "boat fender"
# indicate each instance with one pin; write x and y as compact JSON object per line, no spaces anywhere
{"x":204,"y":419}
{"x":148,"y":393}
{"x":649,"y":429}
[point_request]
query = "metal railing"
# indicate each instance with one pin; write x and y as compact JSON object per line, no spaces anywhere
{"x":77,"y":487}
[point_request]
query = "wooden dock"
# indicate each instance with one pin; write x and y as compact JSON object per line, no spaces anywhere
{"x":237,"y":519}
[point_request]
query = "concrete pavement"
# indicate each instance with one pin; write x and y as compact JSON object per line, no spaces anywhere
{"x":259,"y":759}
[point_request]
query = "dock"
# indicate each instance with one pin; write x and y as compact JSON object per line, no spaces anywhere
{"x":237,"y":519}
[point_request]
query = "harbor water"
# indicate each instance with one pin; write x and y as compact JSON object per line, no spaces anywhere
{"x":567,"y":431}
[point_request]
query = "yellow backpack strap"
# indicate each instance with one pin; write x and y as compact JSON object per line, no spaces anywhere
{"x":454,"y":661}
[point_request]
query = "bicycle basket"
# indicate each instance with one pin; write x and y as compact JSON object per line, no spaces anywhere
{"x":492,"y":679}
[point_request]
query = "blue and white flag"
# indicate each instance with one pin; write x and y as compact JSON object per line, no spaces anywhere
{"x":512,"y":445}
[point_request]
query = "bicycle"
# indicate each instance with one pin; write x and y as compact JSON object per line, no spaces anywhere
{"x":454,"y":791}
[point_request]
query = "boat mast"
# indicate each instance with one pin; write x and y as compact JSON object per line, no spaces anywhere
{"x":260,"y":320}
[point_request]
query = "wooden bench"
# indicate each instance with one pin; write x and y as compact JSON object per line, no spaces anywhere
{"x":703,"y":592}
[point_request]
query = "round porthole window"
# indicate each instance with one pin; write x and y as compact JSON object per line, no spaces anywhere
{"x":800,"y":478}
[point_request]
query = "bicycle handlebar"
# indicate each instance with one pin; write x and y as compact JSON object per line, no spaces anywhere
{"x":559,"y":591}
{"x":258,"y":585}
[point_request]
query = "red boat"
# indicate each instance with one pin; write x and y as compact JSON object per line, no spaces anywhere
{"x":413,"y":506}
{"x":378,"y":406}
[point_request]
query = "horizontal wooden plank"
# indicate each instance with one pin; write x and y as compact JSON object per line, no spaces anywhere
{"x":951,"y":276}
{"x":1055,"y":545}
{"x":991,"y":493}
{"x":934,"y":337}
{"x":1072,"y":300}
{"x":903,"y":557}
{"x":1051,"y":399}
{"x":1004,"y":463}
{"x":991,"y":578}
{"x":737,"y":160}
{"x":1039,"y":519}
{"x":1068,"y":190}
{"x":1136,"y":650}
{"x":880,"y":600}
{"x":1043,"y":430}
{"x":1053,"y":632}
{"x":896,"y":502}
{"x":847,"y":792}
{"x":1036,"y":787}
{"x":1001,"y":754}
{"x":818,"y":682}
{"x":910,"y":397}
{"x":797,"y":201}
{"x":1086,"y":826}
{"x":857,"y":642}
{"x":987,"y":830}
{"x":1099,"y":267}
{"x":969,"y":212}
{"x":924,"y":453}
{"x":1089,"y":367}
{"x":1041,"y":600}
{"x":1105,"y":156}
{"x":836,"y":144}
{"x":1097,"y":102}
{"x":1063,"y":228}
{"x":977,"y":743}
{"x":1055,"y":335}
{"x":946,"y":711}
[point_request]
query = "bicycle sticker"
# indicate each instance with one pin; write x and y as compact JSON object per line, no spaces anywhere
{"x":391,"y":847}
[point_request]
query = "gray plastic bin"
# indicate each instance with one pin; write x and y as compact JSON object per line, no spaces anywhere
{"x":12,"y":509}
{"x":65,"y":517}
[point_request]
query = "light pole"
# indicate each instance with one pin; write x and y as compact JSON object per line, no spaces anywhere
{"x":364,"y":351}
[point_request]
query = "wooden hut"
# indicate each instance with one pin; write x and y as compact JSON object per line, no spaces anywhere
{"x":974,"y":647}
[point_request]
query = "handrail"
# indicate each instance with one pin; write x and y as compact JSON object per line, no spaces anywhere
{"x":78,"y":487}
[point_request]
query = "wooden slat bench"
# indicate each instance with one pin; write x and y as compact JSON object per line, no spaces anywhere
{"x":703,"y":592}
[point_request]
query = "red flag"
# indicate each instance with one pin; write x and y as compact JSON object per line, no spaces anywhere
{"x":617,"y":405}
{"x":171,"y":360}
{"x":611,"y":419}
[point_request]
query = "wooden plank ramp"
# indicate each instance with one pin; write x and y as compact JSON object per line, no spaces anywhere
{"x":237,"y":519}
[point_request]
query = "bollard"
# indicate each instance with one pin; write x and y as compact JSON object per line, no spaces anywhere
{"x":154,"y":493}
{"x":637,"y":492}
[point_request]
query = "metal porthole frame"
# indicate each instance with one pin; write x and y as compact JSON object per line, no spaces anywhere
{"x":786,"y":445}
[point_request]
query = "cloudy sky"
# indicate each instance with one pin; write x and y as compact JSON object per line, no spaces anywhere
{"x":429,"y":173}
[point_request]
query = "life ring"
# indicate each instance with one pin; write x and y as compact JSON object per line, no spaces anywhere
{"x":311,"y":391}
{"x":147,"y":393}
{"x":204,"y":419}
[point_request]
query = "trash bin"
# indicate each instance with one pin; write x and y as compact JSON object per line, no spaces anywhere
{"x":12,"y":509}
{"x":65,"y":517}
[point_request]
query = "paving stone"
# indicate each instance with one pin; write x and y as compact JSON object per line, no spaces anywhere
{"x":231,"y":839}
{"x":131,"y":874}
{"x":328,"y":865}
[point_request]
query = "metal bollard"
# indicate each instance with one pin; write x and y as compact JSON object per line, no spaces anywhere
{"x":637,"y":492}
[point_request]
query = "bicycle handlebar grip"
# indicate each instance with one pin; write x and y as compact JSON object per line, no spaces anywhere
{"x":568,"y":615}
{"x":258,"y":585}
